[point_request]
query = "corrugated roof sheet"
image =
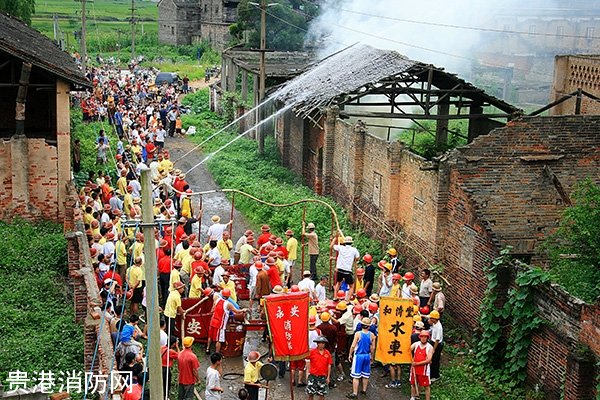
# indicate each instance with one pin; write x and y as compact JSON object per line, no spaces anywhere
{"x":28,"y":44}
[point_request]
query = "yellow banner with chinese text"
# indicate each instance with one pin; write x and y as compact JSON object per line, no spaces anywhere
{"x":395,"y":328}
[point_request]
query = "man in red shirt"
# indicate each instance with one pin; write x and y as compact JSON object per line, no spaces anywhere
{"x":164,"y":278}
{"x":273,"y":272}
{"x":319,"y":370}
{"x":264,"y":236}
{"x":169,"y":354}
{"x":188,"y":366}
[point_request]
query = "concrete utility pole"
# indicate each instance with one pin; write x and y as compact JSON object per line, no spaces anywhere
{"x":83,"y":34}
{"x":263,"y":73}
{"x":132,"y":29}
{"x":151,"y":266}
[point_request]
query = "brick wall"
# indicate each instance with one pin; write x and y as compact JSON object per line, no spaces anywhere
{"x":41,"y":188}
{"x":506,"y":188}
{"x":85,"y":290}
{"x":571,"y":73}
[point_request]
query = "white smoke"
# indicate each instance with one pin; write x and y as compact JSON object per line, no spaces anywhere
{"x":344,"y":22}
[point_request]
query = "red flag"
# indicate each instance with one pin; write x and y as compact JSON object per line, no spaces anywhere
{"x":287,"y":319}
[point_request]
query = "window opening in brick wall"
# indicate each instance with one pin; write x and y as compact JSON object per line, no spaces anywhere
{"x":467,"y":248}
{"x":377,"y":180}
{"x":320,"y":162}
{"x":418,"y":212}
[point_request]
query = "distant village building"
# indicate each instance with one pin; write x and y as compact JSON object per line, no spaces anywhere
{"x":573,"y":73}
{"x":526,"y":39}
{"x":35,"y":147}
{"x":178,"y":21}
{"x":183,"y":22}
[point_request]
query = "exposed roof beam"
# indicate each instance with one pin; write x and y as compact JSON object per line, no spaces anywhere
{"x":366,"y":114}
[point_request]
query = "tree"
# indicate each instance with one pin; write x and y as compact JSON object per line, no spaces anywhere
{"x":22,"y":9}
{"x":287,"y":23}
{"x":574,"y":248}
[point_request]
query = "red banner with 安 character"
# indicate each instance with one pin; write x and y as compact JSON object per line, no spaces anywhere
{"x":287,"y":319}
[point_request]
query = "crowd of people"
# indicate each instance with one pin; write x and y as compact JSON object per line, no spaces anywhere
{"x":342,"y":337}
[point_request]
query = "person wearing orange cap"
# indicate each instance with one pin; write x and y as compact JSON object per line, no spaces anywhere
{"x":273,"y":272}
{"x":279,"y":246}
{"x":263,"y":284}
{"x":408,"y":278}
{"x":252,"y":375}
{"x":396,"y":290}
{"x":238,"y":245}
{"x":360,"y":281}
{"x":264,"y":236}
{"x":437,"y":338}
{"x":173,"y":305}
{"x":422,"y":354}
{"x":247,"y":251}
{"x":196,"y":283}
{"x":219,"y":317}
{"x":134,"y":282}
{"x":385,"y":279}
{"x":228,"y":283}
{"x":189,"y":370}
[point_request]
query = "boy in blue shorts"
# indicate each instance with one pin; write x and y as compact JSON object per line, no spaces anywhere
{"x":361,"y":353}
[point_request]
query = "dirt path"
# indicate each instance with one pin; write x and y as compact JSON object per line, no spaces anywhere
{"x":201,"y":179}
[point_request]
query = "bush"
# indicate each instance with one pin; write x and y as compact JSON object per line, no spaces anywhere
{"x":37,"y":328}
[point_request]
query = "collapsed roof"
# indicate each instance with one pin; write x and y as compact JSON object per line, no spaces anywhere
{"x":361,"y":70}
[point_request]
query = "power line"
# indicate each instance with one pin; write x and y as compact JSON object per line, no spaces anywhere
{"x":407,"y":45}
{"x":473,"y":28}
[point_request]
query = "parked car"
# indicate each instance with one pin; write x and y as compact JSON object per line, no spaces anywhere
{"x":170,"y":78}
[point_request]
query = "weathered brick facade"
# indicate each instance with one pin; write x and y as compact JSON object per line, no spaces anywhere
{"x":507,"y":188}
{"x":98,"y":349}
{"x":574,"y":72}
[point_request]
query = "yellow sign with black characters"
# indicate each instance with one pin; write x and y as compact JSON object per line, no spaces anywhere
{"x":395,"y":328}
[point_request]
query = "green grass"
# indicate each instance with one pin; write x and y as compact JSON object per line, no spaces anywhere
{"x":107,"y":22}
{"x":37,"y":324}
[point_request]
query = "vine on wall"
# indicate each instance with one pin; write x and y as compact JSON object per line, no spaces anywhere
{"x":507,"y":328}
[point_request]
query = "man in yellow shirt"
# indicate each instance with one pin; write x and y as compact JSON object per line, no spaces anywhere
{"x":252,"y":375}
{"x":128,"y":201}
{"x":135,"y":283}
{"x":173,"y":304}
{"x":196,"y":283}
{"x":224,"y":246}
{"x":175,"y":275}
{"x":292,"y":247}
{"x":121,"y":253}
{"x":166,"y":164}
{"x":122,"y":182}
{"x":227,"y":283}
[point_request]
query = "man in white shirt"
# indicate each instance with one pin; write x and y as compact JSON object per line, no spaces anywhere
{"x":321,"y":289}
{"x":346,"y":258}
{"x":218,"y":274}
{"x":437,"y":338}
{"x":425,"y":288}
{"x":215,"y":231}
{"x":213,"y":256}
{"x":309,"y":284}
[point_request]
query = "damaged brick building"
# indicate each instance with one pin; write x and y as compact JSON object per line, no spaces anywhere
{"x":35,"y":145}
{"x":506,"y":187}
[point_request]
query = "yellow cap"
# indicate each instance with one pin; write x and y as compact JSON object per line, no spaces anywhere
{"x":188,"y":341}
{"x":434,"y":314}
{"x":325,"y":316}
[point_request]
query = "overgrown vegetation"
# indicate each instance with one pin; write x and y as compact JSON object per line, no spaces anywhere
{"x":22,"y":9}
{"x":574,"y":249}
{"x":287,"y":24}
{"x":420,"y":139}
{"x":37,"y":328}
{"x":87,"y":133}
{"x":503,"y":363}
{"x":239,"y":166}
